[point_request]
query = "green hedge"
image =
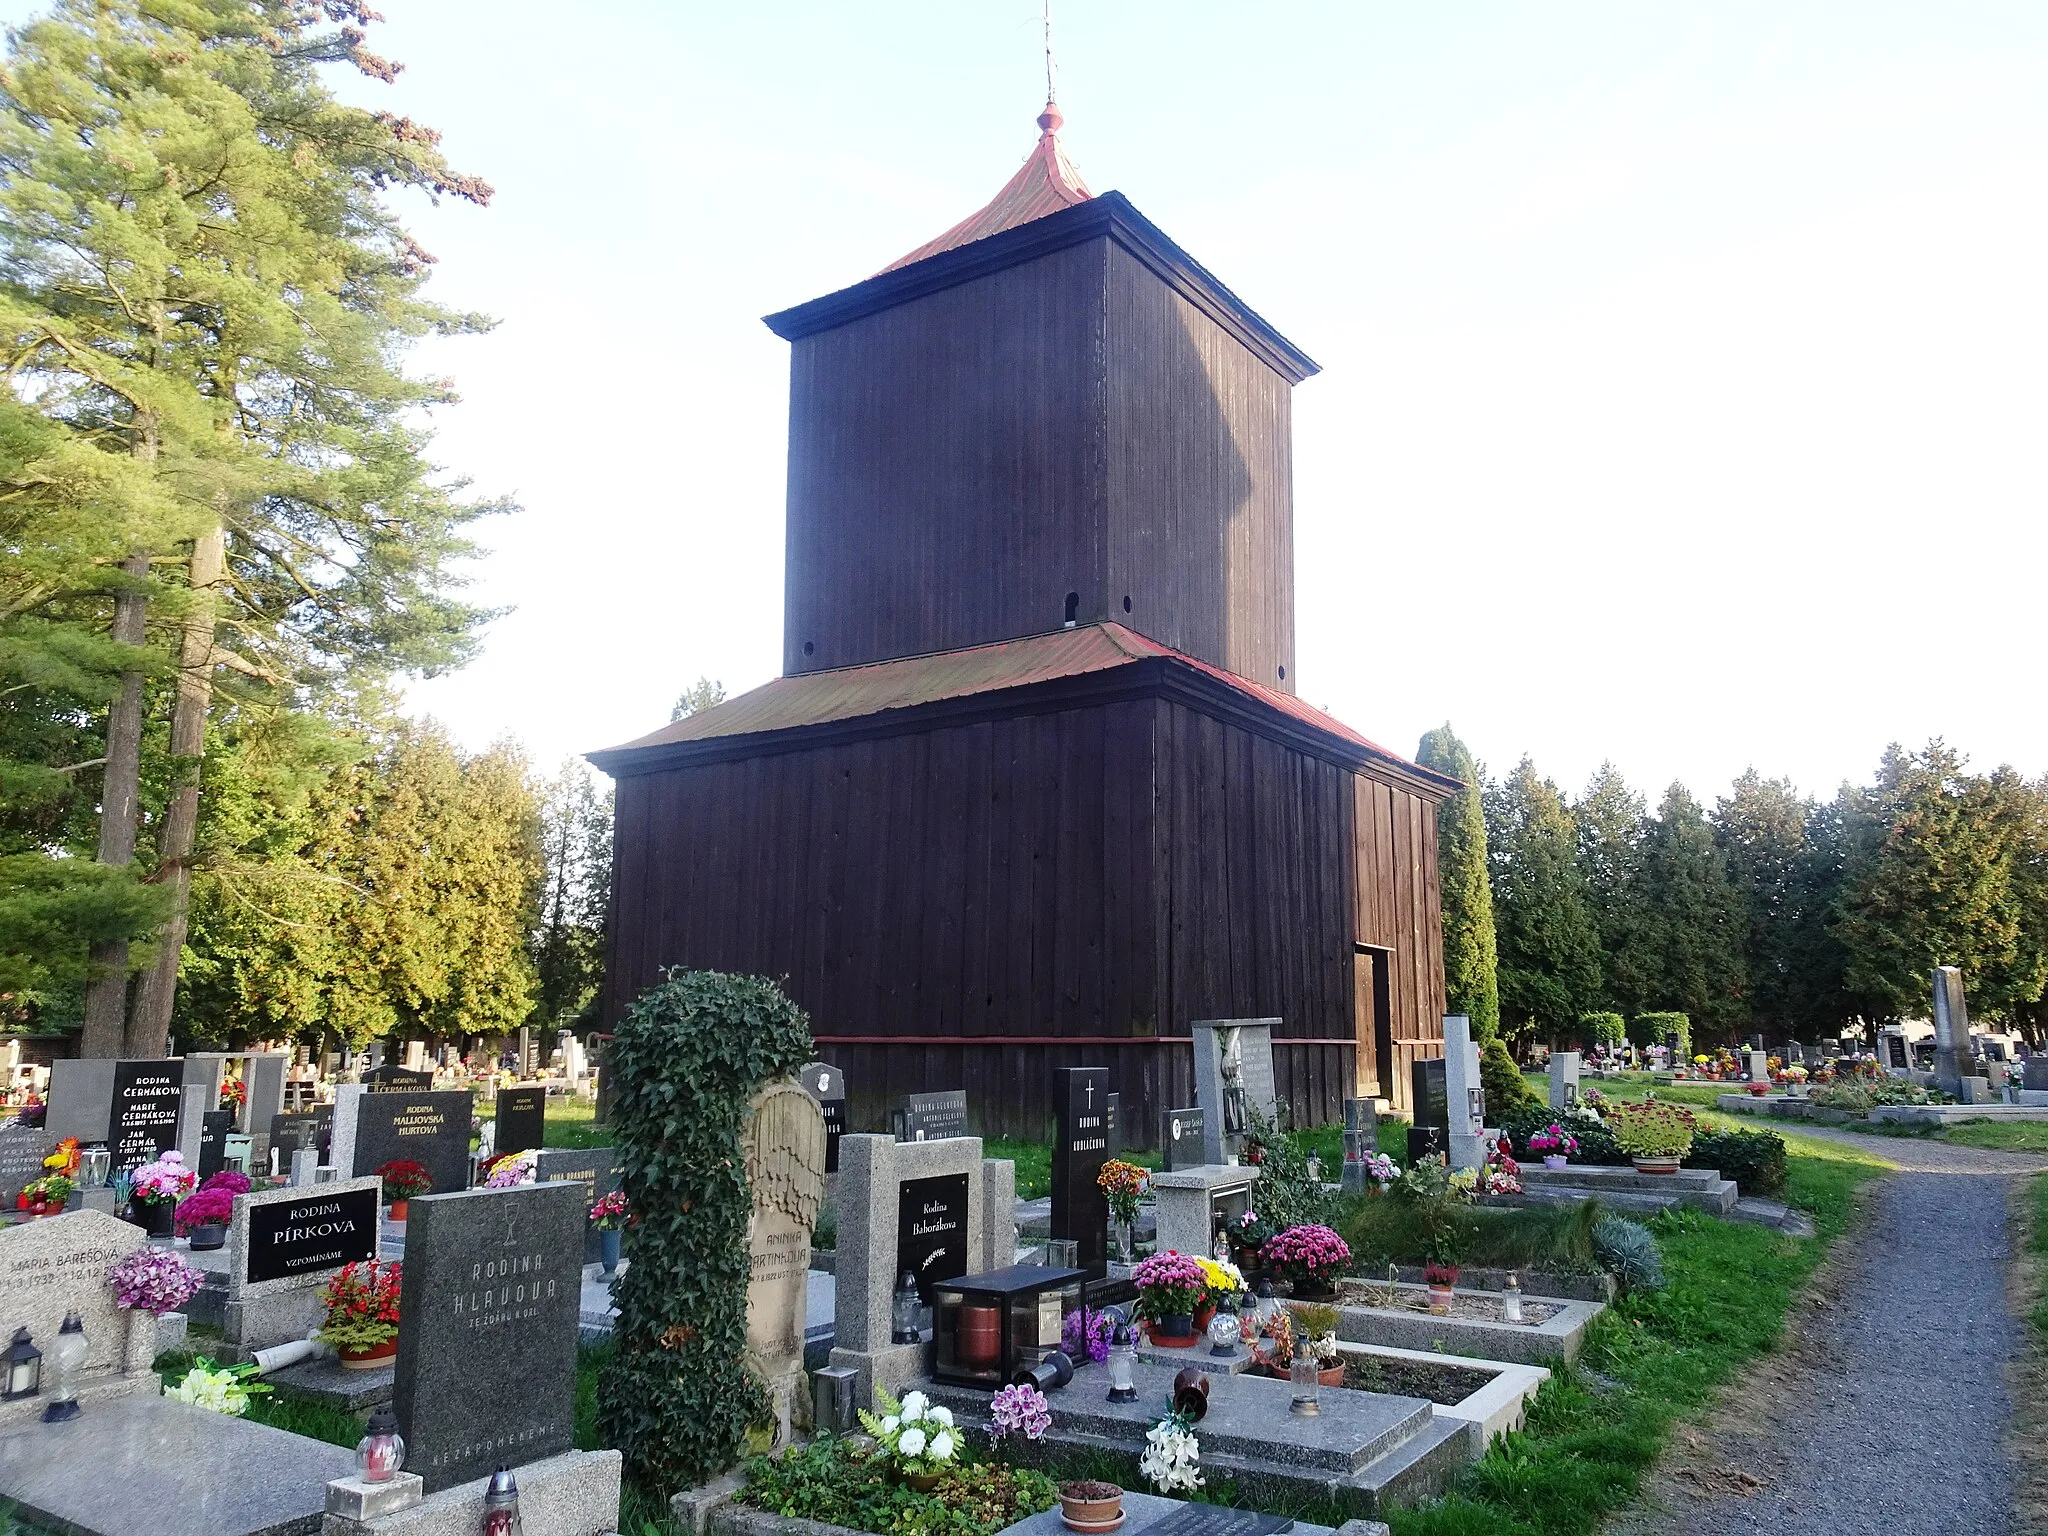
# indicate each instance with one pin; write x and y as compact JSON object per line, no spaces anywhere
{"x":1603,"y":1028}
{"x":676,"y":1396}
{"x":1755,"y":1160}
{"x":1651,"y":1028}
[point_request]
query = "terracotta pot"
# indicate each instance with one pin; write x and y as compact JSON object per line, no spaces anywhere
{"x":1172,"y":1332}
{"x":1090,"y":1508}
{"x":398,"y":1208}
{"x":1553,"y":1160}
{"x":1440,"y":1300}
{"x":1204,"y":1315}
{"x":371,"y":1358}
{"x":1758,"y":1090}
{"x":1655,"y":1164}
{"x":1331,"y":1376}
{"x":981,"y":1335}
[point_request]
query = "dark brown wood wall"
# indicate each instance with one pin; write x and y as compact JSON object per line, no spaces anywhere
{"x":1201,"y":491}
{"x":1400,"y":910}
{"x":945,"y":468}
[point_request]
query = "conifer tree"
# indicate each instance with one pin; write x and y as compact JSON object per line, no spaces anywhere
{"x":1549,"y":947}
{"x":205,"y":302}
{"x":576,"y":848}
{"x":1611,"y":827}
{"x":1693,"y":918}
{"x":1761,"y":829}
{"x":1471,"y":962}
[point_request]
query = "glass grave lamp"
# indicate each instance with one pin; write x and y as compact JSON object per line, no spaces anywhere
{"x":1268,"y":1305}
{"x":501,"y":1504}
{"x":67,"y":1364}
{"x":1247,"y":1318}
{"x":903,"y":1328}
{"x":1305,"y":1373}
{"x":93,"y":1165}
{"x":1511,"y":1300}
{"x":24,"y":1371}
{"x":1224,"y":1333}
{"x":1123,"y":1363}
{"x":380,"y":1453}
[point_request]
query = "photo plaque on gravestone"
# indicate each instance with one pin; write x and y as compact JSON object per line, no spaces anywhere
{"x":1080,"y":1211}
{"x":522,"y":1119}
{"x":931,"y":1230}
{"x":827,"y":1084}
{"x":1182,"y":1137}
{"x":145,"y":1111}
{"x":321,"y":1231}
{"x":932,"y":1116}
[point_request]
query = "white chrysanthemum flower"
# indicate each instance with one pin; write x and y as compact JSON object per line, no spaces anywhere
{"x":914,"y":1405}
{"x":939,"y":1413}
{"x":891,"y":1422}
{"x":911,"y":1442}
{"x":942,"y":1446}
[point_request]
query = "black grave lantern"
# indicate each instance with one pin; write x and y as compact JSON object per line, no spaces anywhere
{"x":986,"y":1328}
{"x":23,"y":1376}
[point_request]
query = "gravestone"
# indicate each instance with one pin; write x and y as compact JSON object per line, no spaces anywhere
{"x":1564,"y":1081}
{"x":931,"y":1230}
{"x":1233,"y":1079}
{"x":932,"y":1116}
{"x":59,"y":1265}
{"x":1429,"y":1133}
{"x":487,"y":1330}
{"x":394,"y":1079}
{"x":206,"y":1073}
{"x":372,"y":1128}
{"x":1894,"y":1053}
{"x":311,"y":1130}
{"x":1189,"y":1206}
{"x":596,"y":1169}
{"x":1183,"y":1141}
{"x":522,"y":1118}
{"x":263,"y":1078}
{"x":145,"y":1111}
{"x":1757,"y":1067}
{"x":1361,"y":1143}
{"x":213,"y":1141}
{"x":282,"y":1246}
{"x":827,"y":1084}
{"x":1951,"y":1030}
{"x":1116,"y":1125}
{"x":1080,"y":1211}
{"x":22,"y":1150}
{"x":81,"y":1098}
{"x":1463,"y":1087}
{"x":2034,"y":1074}
{"x":784,"y":1144}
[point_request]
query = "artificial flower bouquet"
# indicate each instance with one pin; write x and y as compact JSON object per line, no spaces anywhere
{"x":224,"y":1389}
{"x":163,"y":1182}
{"x":1085,"y":1334}
{"x":1309,"y":1254}
{"x":1124,"y":1184}
{"x":1553,"y":1141}
{"x":152,"y":1279}
{"x":1501,"y":1175}
{"x":609,"y":1213}
{"x":1020,"y":1410}
{"x":1383,"y":1169}
{"x":916,"y":1435}
{"x":1172,"y":1459}
{"x":234,"y":1093}
{"x":1170,"y":1284}
{"x":513,"y":1169}
{"x":361,"y":1301}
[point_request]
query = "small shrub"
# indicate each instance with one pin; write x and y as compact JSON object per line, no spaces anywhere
{"x":1628,"y":1251}
{"x":1755,"y":1160}
{"x":1603,"y":1028}
{"x":1596,"y":1138}
{"x":1651,"y":1028}
{"x":1652,"y":1129}
{"x":1507,"y":1090}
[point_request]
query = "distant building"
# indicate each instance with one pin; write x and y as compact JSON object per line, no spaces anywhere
{"x":1034,"y":789}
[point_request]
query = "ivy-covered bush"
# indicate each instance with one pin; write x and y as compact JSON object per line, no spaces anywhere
{"x":1603,"y":1028}
{"x":1651,"y":1028}
{"x":676,"y":1396}
{"x":1755,"y":1160}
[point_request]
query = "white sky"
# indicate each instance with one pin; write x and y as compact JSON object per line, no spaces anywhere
{"x":1683,"y":389}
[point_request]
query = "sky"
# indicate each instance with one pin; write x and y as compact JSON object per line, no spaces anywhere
{"x":1683,"y":388}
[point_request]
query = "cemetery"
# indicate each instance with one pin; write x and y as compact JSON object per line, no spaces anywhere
{"x":1028,"y":1069}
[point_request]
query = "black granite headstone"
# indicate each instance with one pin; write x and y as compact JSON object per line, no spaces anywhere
{"x":22,"y":1150}
{"x":596,"y":1169}
{"x":401,"y":1080}
{"x":1180,"y":1139}
{"x":827,"y":1084}
{"x":431,"y":1129}
{"x":214,"y":1126}
{"x":295,"y":1132}
{"x":145,"y":1119}
{"x":323,"y":1230}
{"x":522,"y":1119}
{"x":1116,"y":1125}
{"x":1428,"y":1141}
{"x":1895,"y":1053}
{"x":932,"y":1116}
{"x":1431,"y":1089}
{"x":1080,"y":1147}
{"x":931,"y":1230}
{"x":487,"y":1329}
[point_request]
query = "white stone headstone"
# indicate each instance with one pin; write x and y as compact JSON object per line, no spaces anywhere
{"x":1564,"y":1080}
{"x":1468,"y":1097}
{"x":57,"y":1265}
{"x":784,"y":1141}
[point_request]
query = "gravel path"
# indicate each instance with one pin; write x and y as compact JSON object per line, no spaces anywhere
{"x":1889,"y":1411}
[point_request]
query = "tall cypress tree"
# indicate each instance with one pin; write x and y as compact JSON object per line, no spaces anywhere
{"x":1471,"y":961}
{"x":1611,"y":828}
{"x":1549,"y":946}
{"x":1693,"y":918}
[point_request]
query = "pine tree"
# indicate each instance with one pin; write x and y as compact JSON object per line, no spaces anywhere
{"x":1611,"y":827}
{"x":1760,"y":827}
{"x":209,"y":298}
{"x":1693,"y":918}
{"x":1471,"y":963}
{"x":701,"y":695}
{"x":1549,"y":947}
{"x":569,"y":943}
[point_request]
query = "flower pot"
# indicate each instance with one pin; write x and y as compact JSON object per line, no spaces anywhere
{"x":1655,"y":1164}
{"x":369,"y":1357}
{"x":1331,"y":1376}
{"x":156,"y":1217}
{"x":211,"y":1234}
{"x":608,"y":1249}
{"x":1091,"y":1506}
{"x":1176,"y":1332}
{"x":1440,"y":1299}
{"x":1313,"y":1290}
{"x":981,"y":1335}
{"x":923,"y":1482}
{"x":1553,"y":1160}
{"x":398,"y":1210}
{"x":1204,"y":1314}
{"x":1758,"y":1090}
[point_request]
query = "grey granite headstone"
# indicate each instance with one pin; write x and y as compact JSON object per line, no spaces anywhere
{"x":1233,"y":1078}
{"x":264,"y":1080}
{"x":283,"y":1244}
{"x":59,"y":1265}
{"x":487,"y":1329}
{"x":1758,"y":1067}
{"x":522,"y":1118}
{"x":1463,"y":1085}
{"x":827,"y":1084}
{"x":1951,"y":1029}
{"x":1564,"y":1080}
{"x":372,"y":1128}
{"x":2034,"y":1074}
{"x":22,"y":1150}
{"x":205,"y":1074}
{"x":1361,"y":1143}
{"x":1183,"y":1139}
{"x":932,"y":1116}
{"x":595,"y":1169}
{"x":81,"y":1098}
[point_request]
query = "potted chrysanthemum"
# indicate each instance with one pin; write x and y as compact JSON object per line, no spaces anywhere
{"x":403,"y":1179}
{"x":155,"y":1190}
{"x":916,"y":1436}
{"x":1655,"y":1136}
{"x":1170,"y":1288}
{"x":1554,"y":1144}
{"x":204,"y":1218}
{"x":1310,"y":1255}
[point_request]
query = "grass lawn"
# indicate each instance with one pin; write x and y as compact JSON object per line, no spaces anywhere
{"x":571,"y":1123}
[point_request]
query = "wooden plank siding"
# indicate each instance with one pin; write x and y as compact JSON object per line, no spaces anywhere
{"x":1102,"y":873}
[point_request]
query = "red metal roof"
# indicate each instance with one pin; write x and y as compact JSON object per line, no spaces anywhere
{"x":813,"y":698}
{"x":1046,"y":183}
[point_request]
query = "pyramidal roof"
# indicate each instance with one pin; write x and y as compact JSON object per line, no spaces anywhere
{"x":1045,"y":183}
